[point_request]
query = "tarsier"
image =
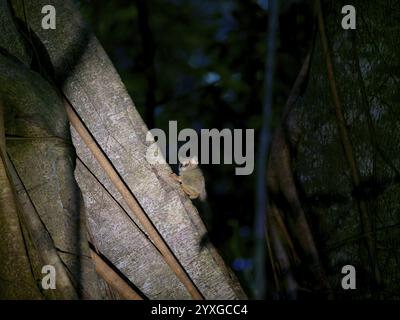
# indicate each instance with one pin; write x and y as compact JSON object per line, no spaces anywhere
{"x":191,"y":179}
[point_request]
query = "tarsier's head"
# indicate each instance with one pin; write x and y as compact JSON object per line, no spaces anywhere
{"x":188,"y":164}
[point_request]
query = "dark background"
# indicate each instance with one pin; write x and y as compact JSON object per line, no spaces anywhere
{"x":202,"y":63}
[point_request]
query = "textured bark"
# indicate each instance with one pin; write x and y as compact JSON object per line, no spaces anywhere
{"x":38,"y":145}
{"x":17,"y":272}
{"x":84,"y":73}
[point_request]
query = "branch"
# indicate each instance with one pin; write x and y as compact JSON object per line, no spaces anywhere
{"x":264,"y":140}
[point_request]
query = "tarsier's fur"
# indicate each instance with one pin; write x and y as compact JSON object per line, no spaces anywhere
{"x":192,"y":179}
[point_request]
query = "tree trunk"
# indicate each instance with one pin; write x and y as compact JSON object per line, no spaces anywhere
{"x":341,"y":151}
{"x":38,"y":143}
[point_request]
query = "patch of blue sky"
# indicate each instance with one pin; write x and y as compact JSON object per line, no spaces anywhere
{"x":242,"y":264}
{"x":211,"y":77}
